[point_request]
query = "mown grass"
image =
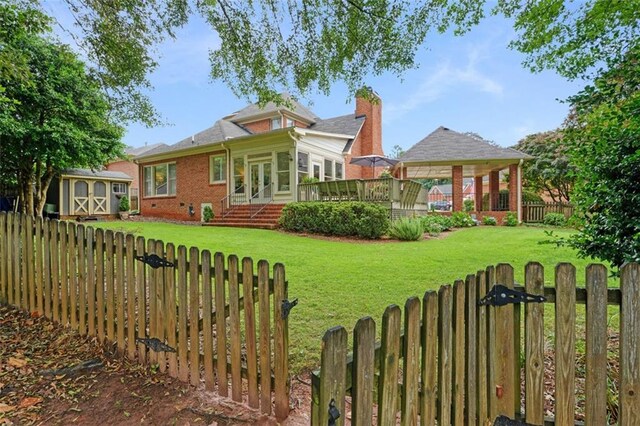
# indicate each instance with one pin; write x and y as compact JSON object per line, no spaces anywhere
{"x":338,"y":282}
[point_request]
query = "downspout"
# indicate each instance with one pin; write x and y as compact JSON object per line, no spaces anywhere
{"x":229,"y":171}
{"x":520,"y":190}
{"x":294,"y":190}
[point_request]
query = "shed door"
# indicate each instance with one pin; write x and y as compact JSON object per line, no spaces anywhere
{"x":80,"y":197}
{"x":99,"y":198}
{"x":89,"y":197}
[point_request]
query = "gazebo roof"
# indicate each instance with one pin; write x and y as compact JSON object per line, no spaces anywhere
{"x":434,"y":155}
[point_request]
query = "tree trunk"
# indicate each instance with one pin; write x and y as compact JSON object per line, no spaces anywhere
{"x":42,"y":188}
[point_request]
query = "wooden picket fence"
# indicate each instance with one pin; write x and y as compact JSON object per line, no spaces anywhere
{"x":534,"y":212}
{"x":92,"y":281}
{"x":452,"y":361}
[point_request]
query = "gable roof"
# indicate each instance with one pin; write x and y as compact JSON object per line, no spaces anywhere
{"x":295,"y":108}
{"x":135,"y":151}
{"x":349,"y":124}
{"x":102,"y":174}
{"x":444,"y":144}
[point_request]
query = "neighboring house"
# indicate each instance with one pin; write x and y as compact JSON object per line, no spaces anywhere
{"x":82,"y":192}
{"x":257,"y":155}
{"x":128,"y":167}
{"x":445,"y":191}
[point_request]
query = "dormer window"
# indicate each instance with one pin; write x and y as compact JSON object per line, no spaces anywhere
{"x":276,"y":123}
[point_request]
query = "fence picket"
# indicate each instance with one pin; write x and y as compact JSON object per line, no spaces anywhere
{"x":221,"y":325}
{"x":471,"y":331}
{"x":364,"y":340}
{"x":265,"y":337}
{"x":120,"y":292}
{"x":565,"y":347}
{"x":490,"y":281}
{"x":151,"y":297}
{"x":183,"y":363}
{"x":482,"y":360}
{"x":170,"y":292}
{"x":131,"y":296}
{"x":4,"y":258}
{"x":194,"y":318}
{"x":30,"y":265}
{"x":250,"y":332}
{"x":445,"y":345}
{"x":505,"y":362}
{"x":91,"y":281}
{"x":207,"y":327}
{"x":630,"y":345}
{"x":458,"y":352}
{"x":160,"y":306}
{"x":234,"y":333}
{"x":24,"y":263}
{"x":534,"y":346}
{"x":411,"y":366}
{"x":109,"y":276}
{"x":281,"y":342}
{"x":141,"y":292}
{"x":63,"y":230}
{"x":16,"y":255}
{"x":38,"y":264}
{"x":389,"y":364}
{"x":596,"y":343}
{"x":46,"y":270}
{"x":333,"y":381}
{"x":428,"y":411}
{"x":100,"y":284}
{"x":82,"y":281}
{"x":54,"y":256}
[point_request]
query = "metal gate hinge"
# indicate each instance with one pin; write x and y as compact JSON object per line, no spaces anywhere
{"x":154,"y":261}
{"x":334,"y":413}
{"x":287,"y":306}
{"x":500,"y":295}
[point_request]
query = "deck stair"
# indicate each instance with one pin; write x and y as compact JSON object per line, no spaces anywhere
{"x":240,"y":217}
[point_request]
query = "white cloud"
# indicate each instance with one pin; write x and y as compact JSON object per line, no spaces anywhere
{"x":444,"y":78}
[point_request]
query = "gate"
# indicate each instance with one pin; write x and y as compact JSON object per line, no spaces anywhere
{"x":459,"y":357}
{"x":196,"y":316}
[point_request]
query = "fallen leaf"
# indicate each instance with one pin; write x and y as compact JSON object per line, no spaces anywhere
{"x":4,"y":408}
{"x":17,"y":362}
{"x":29,"y":401}
{"x":35,"y":314}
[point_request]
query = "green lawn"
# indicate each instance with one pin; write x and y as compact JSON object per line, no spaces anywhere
{"x":339,"y":282}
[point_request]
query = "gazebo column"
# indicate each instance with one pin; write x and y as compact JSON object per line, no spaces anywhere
{"x":456,"y":188}
{"x":513,"y":187}
{"x":494,"y":190}
{"x":478,"y":187}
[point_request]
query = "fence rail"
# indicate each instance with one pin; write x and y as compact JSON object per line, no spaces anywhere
{"x":448,"y":360}
{"x":216,"y":313}
{"x":534,"y":212}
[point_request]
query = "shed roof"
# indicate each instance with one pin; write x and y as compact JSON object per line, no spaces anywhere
{"x":100,"y":174}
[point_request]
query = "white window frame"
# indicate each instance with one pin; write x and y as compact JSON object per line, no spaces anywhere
{"x":287,"y":157}
{"x":289,"y":122}
{"x":328,"y":172}
{"x":277,"y":126}
{"x":171,"y":181}
{"x":212,"y":168}
{"x":122,"y":187}
{"x":338,"y":165}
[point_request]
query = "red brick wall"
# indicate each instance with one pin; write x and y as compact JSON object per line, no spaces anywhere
{"x":128,"y":167}
{"x":494,"y":190}
{"x":477,"y":183}
{"x":513,"y":187}
{"x":192,"y":187}
{"x":260,"y":126}
{"x":369,"y":140}
{"x":456,"y":187}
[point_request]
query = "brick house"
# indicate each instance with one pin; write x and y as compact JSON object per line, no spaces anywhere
{"x":257,"y":156}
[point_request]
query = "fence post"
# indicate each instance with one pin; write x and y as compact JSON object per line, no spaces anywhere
{"x":630,"y":345}
{"x":534,"y":346}
{"x":565,"y":348}
{"x":596,"y":342}
{"x":333,"y":372}
{"x":363,"y":370}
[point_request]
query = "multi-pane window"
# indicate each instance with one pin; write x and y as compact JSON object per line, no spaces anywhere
{"x":288,"y":122}
{"x":238,"y":175}
{"x":160,"y":179}
{"x":338,"y":174}
{"x":119,"y":188}
{"x":303,"y":165}
{"x":283,"y":171}
{"x":276,"y":123}
{"x":217,"y":168}
{"x":328,"y":170}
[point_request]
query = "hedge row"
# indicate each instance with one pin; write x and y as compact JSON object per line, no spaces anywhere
{"x":364,"y":220}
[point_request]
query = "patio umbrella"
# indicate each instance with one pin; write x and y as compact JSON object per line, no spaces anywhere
{"x":373,"y":161}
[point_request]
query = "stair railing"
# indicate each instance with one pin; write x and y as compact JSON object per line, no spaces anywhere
{"x":265,"y":193}
{"x":233,"y":200}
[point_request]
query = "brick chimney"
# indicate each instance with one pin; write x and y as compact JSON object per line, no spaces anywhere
{"x":370,"y":136}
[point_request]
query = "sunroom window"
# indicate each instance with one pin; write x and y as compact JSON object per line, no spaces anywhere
{"x":160,"y":180}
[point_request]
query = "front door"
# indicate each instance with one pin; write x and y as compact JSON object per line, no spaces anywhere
{"x":260,"y":181}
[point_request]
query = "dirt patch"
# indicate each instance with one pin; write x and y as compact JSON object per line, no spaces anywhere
{"x":51,"y":375}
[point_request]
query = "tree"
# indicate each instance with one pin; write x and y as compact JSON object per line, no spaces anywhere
{"x":301,"y":46}
{"x":56,"y":118}
{"x":550,"y":171}
{"x":604,"y":136}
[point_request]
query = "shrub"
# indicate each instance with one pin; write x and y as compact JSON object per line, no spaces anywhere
{"x":406,"y":229}
{"x":469,"y":205}
{"x":489,"y":220}
{"x":554,"y":219}
{"x":207,"y":214}
{"x":436,"y":223}
{"x":531,"y":197}
{"x":462,"y":220}
{"x":510,"y":219}
{"x":310,"y":179}
{"x":364,"y":220}
{"x":575,"y":221}
{"x":124,"y":205}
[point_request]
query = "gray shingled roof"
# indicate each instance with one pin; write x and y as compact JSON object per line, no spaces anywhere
{"x":345,"y":124}
{"x":135,"y":151}
{"x":219,"y":132}
{"x":104,"y":174}
{"x":296,"y":108}
{"x":444,"y":144}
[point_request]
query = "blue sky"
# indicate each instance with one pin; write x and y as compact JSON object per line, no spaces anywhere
{"x":467,"y":83}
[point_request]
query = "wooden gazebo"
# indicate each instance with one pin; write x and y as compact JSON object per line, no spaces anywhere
{"x":448,"y":154}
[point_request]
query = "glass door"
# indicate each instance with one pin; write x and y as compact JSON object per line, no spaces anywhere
{"x":260,"y":179}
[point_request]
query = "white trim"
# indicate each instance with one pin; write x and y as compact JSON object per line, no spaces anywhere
{"x":304,"y":132}
{"x":211,"y":181}
{"x":519,"y":191}
{"x":145,"y":195}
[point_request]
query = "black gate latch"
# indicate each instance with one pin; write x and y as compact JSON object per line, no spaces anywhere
{"x":334,"y":413}
{"x":154,"y":261}
{"x":287,"y":306}
{"x":500,"y":295}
